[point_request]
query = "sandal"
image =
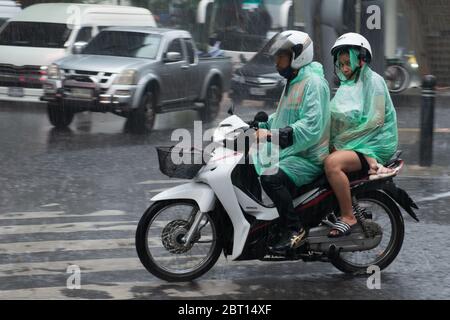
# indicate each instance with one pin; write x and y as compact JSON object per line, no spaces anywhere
{"x":380,"y":175}
{"x":342,"y":228}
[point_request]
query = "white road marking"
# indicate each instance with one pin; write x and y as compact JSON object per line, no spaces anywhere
{"x":58,"y":214}
{"x":50,"y":205}
{"x":436,"y":130}
{"x":130,"y":290}
{"x":69,"y":227}
{"x":114,"y":290}
{"x":65,"y":245}
{"x":423,"y":177}
{"x":86,"y":266}
{"x":157,"y":190}
{"x":434,"y":197}
{"x":163,"y":181}
{"x":58,"y":267}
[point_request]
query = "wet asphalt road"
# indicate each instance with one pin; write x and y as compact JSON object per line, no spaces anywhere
{"x":75,"y":197}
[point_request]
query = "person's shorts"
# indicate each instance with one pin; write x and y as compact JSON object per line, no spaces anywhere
{"x":364,"y":164}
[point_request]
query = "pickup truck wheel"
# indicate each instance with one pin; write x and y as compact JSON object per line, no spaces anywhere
{"x":212,"y":102}
{"x":141,"y":120}
{"x":58,"y":116}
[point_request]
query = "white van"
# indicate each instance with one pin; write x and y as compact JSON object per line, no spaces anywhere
{"x":43,"y":33}
{"x":8,"y":9}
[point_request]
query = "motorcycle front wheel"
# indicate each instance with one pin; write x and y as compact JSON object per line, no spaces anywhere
{"x":160,"y":241}
{"x":384,"y":212}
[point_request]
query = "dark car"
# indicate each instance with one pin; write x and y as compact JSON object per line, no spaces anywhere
{"x":257,"y":80}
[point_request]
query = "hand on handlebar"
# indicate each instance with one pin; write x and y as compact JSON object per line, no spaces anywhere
{"x":263,"y":134}
{"x":259,"y":117}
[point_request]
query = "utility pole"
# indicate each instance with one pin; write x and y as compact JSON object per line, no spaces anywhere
{"x":427,"y":120}
{"x":358,"y":6}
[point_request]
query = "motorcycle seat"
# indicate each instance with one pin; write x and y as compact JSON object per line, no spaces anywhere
{"x":320,"y":182}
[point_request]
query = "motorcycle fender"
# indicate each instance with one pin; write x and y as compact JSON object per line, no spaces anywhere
{"x":397,"y":194}
{"x":402,"y":198}
{"x":201,"y":193}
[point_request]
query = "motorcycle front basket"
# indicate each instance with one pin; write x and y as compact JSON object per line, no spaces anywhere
{"x":180,"y":163}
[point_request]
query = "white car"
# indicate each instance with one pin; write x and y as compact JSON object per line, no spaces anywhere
{"x":8,"y":10}
{"x":43,"y":33}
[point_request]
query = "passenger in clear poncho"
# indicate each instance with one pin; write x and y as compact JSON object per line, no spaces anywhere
{"x":363,"y":124}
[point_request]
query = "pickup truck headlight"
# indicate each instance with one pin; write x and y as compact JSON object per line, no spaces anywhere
{"x":127,"y":77}
{"x":53,"y":72}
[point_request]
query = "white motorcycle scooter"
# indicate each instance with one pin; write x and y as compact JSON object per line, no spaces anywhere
{"x":184,"y":231}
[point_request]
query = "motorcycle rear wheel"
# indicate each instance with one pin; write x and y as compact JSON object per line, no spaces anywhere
{"x":385,"y":253}
{"x":159,"y":241}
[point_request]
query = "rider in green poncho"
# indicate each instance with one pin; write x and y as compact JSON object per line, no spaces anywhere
{"x":363,"y":126}
{"x":299,"y":130}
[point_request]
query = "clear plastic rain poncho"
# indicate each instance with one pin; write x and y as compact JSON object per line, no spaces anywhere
{"x":309,"y":117}
{"x":363,"y":117}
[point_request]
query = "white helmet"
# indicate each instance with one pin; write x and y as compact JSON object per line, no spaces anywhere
{"x":299,"y":43}
{"x":353,"y":40}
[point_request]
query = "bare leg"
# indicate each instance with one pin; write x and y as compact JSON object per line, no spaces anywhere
{"x":336,"y":166}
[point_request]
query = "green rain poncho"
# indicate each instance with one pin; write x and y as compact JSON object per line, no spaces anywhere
{"x":363,"y":117}
{"x":309,"y":117}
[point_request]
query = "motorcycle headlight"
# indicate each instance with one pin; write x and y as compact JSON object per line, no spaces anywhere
{"x":127,"y":77}
{"x":53,"y":72}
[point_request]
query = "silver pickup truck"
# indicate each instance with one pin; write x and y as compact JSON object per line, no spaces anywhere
{"x":136,"y":72}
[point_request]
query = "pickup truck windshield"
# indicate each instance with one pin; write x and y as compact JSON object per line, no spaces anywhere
{"x":124,"y":44}
{"x":35,"y":34}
